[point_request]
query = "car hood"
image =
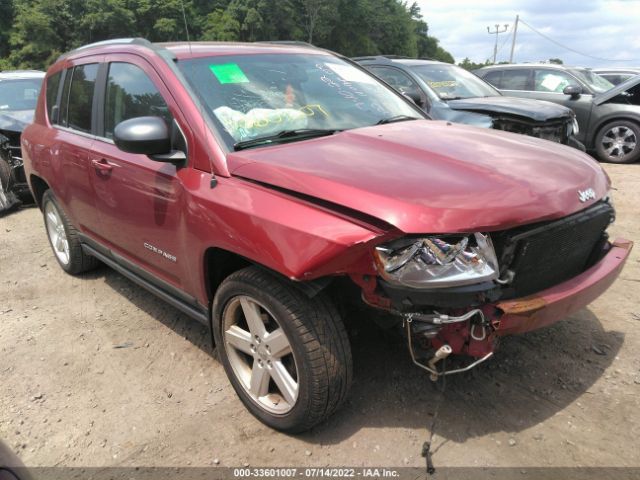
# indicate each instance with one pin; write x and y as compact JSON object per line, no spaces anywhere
{"x":430,"y":177}
{"x":603,"y":97}
{"x":537,"y":110}
{"x":441,"y":111}
{"x":15,"y":120}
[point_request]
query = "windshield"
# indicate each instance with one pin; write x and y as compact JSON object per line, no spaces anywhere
{"x":597,"y":83}
{"x":19,"y":94}
{"x":451,"y":82}
{"x":256,"y":96}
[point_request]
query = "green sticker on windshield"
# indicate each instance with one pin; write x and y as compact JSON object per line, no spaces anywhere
{"x":229,"y":73}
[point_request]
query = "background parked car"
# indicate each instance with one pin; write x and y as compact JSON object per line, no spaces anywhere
{"x":448,"y":92}
{"x":617,"y":75}
{"x":609,"y":118}
{"x":19,"y":92}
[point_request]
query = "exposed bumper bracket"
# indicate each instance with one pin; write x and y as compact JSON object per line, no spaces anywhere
{"x":430,"y":366}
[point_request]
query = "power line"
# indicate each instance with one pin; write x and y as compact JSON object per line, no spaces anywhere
{"x":572,"y":49}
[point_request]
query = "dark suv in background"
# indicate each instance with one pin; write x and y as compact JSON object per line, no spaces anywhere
{"x":449,"y":92}
{"x":609,"y":117}
{"x":19,"y":90}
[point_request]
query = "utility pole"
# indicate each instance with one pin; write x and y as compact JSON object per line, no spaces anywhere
{"x":513,"y":41}
{"x":497,"y":32}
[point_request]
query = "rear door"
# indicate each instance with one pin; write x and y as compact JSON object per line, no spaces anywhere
{"x":74,"y":140}
{"x":140,"y":201}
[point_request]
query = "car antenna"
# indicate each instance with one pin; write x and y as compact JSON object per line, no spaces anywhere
{"x":214,"y":180}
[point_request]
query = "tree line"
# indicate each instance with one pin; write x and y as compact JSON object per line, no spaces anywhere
{"x":33,"y":33}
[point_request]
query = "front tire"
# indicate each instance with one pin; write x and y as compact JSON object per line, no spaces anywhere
{"x":64,"y":238}
{"x":287,"y":356}
{"x":8,"y":199}
{"x":618,"y":142}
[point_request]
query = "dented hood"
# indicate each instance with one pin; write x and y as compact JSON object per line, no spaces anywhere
{"x":536,"y":110}
{"x":15,"y":120}
{"x":431,"y":177}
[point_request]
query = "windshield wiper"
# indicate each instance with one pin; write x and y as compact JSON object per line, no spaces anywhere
{"x":285,"y":135}
{"x":396,"y":118}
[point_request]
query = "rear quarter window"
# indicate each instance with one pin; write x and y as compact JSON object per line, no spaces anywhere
{"x":494,"y":78}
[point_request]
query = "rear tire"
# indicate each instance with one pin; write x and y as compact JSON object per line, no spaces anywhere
{"x":64,"y":238}
{"x":618,"y":142}
{"x":287,"y":356}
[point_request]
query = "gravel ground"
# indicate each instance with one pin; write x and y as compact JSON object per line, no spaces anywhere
{"x":95,"y":371}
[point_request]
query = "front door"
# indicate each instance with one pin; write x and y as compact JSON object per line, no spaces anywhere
{"x":140,"y":201}
{"x":549,"y":85}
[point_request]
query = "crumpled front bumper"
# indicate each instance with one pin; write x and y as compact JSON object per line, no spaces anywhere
{"x":555,"y":303}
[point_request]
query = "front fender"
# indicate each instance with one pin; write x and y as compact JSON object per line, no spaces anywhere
{"x":295,"y":238}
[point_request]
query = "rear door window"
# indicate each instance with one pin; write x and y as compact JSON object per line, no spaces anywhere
{"x":64,"y":99}
{"x":131,"y":93}
{"x":79,"y":108}
{"x":515,"y":79}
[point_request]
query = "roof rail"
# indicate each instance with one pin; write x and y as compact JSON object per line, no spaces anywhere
{"x":397,"y":57}
{"x":377,"y":58}
{"x":115,"y":41}
{"x":389,"y":57}
{"x":289,"y":42}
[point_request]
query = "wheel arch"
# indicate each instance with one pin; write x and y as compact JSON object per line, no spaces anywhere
{"x":219,"y":263}
{"x":38,"y":187}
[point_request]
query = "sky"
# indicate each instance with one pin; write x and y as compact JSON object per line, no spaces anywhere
{"x":606,"y":29}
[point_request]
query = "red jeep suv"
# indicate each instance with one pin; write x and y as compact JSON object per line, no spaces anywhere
{"x":260,"y":188}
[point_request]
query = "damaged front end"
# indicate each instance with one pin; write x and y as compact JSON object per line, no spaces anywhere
{"x":458,"y":294}
{"x":559,"y":130}
{"x":12,"y":182}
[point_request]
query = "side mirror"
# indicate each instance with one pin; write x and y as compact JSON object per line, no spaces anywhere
{"x":573,"y":90}
{"x":143,"y":135}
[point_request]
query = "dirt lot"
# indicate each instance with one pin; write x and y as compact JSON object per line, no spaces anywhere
{"x":94,"y":371}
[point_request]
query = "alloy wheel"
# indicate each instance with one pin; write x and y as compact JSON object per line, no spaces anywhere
{"x":619,"y":142}
{"x":57,"y":233}
{"x":260,"y":354}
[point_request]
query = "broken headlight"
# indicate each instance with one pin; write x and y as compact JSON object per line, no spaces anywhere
{"x":574,"y":129}
{"x":438,"y":261}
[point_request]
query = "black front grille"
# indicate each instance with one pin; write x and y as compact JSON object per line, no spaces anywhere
{"x":549,"y":253}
